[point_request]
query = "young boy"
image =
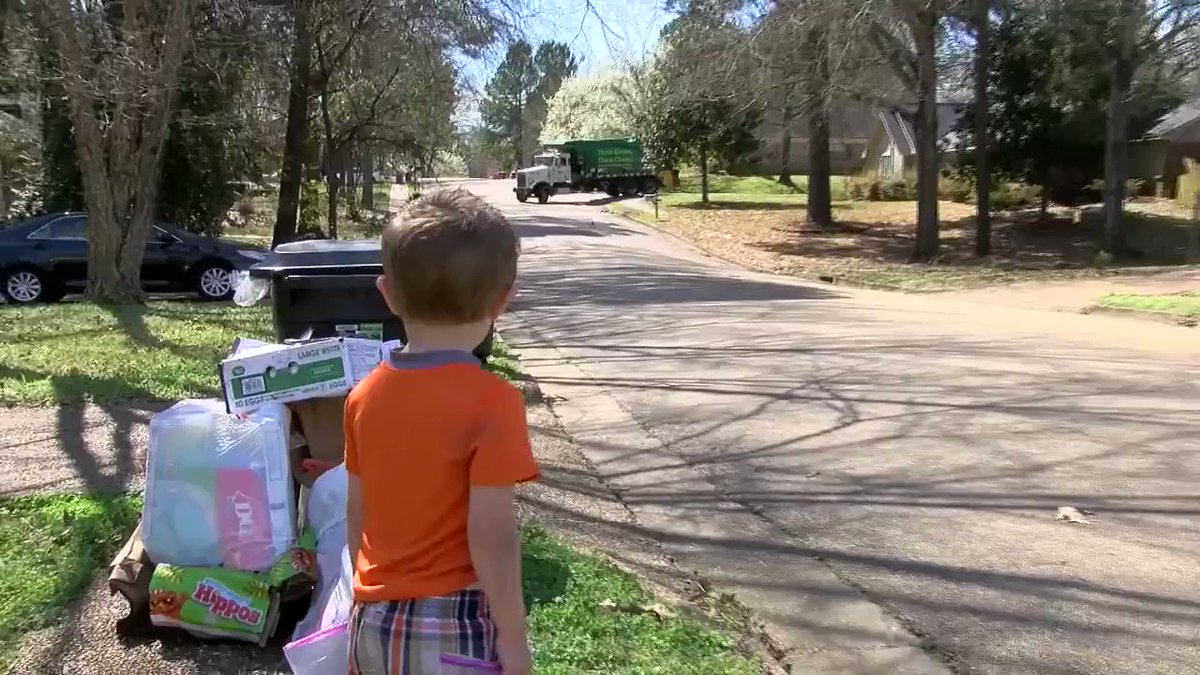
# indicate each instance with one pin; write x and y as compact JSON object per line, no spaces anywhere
{"x":434,"y":446}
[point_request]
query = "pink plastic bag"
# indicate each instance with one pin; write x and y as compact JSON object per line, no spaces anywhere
{"x":244,"y":519}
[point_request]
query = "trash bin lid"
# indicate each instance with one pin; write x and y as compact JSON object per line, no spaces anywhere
{"x":322,"y":257}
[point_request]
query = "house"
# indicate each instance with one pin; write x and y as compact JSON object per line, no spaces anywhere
{"x":1170,"y":153}
{"x":891,"y":148}
{"x":849,"y":125}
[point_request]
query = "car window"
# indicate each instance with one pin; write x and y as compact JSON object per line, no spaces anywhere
{"x":162,"y":235}
{"x":70,"y":227}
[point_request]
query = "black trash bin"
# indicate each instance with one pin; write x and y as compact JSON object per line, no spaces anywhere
{"x":328,"y":287}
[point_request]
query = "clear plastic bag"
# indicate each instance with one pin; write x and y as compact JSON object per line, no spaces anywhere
{"x":249,"y":291}
{"x":218,"y":487}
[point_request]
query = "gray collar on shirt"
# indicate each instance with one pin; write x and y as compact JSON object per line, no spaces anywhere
{"x":403,"y":360}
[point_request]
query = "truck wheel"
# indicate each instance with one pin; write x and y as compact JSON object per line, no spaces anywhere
{"x":613,"y":190}
{"x":542,"y":193}
{"x":629,"y":189}
{"x":522,"y":196}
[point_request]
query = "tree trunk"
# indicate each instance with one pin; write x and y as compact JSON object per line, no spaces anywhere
{"x":703,"y":174}
{"x":983,"y":168}
{"x":368,"y":180}
{"x":820,"y":171}
{"x":925,"y":35}
{"x":785,"y":146}
{"x":119,"y":163}
{"x":332,"y":186}
{"x":333,"y":165}
{"x":291,"y":175}
{"x":820,"y":165}
{"x":1116,"y":154}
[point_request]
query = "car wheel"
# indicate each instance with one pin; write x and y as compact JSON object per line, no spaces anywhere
{"x":26,"y":286}
{"x":214,"y":281}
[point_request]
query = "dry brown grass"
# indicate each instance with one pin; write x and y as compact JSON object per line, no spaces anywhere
{"x":873,"y":241}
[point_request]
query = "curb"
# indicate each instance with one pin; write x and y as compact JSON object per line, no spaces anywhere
{"x":1177,"y":320}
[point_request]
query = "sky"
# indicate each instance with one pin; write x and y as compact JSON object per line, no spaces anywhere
{"x":600,"y":32}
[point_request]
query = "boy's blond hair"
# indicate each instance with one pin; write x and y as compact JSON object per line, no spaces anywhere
{"x":449,"y":257}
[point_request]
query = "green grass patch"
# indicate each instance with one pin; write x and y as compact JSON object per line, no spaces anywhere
{"x":749,"y":185}
{"x":502,"y":362}
{"x":73,"y":352}
{"x":1182,"y":304}
{"x":758,"y":186}
{"x":734,"y":200}
{"x":50,"y":547}
{"x":587,"y":616}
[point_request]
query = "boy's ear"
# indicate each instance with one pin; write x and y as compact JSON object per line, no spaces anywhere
{"x":504,"y":300}
{"x":385,"y":289}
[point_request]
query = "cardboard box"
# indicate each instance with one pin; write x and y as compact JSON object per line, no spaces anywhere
{"x":321,"y":423}
{"x":257,"y":373}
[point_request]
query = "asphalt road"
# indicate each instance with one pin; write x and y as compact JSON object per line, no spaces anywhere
{"x":878,"y":474}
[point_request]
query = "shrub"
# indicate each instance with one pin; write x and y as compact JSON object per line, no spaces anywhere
{"x":956,"y":188}
{"x":311,"y":216}
{"x":1009,"y":196}
{"x":879,"y":189}
{"x":245,"y":208}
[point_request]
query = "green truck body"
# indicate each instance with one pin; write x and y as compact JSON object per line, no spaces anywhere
{"x":612,"y":165}
{"x":604,"y":157}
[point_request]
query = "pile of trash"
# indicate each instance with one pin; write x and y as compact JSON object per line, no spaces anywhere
{"x":245,"y":505}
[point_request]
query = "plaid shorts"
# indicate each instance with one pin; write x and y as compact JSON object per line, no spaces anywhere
{"x":446,"y":635}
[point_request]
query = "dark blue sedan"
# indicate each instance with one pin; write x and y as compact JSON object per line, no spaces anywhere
{"x":44,"y":258}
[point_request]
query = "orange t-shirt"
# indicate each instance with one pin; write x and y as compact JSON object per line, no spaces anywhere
{"x":420,"y":431}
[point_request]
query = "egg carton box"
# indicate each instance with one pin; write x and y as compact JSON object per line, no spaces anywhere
{"x":259,"y":372}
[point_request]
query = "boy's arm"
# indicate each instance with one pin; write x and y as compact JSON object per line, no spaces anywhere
{"x":354,"y":498}
{"x":354,"y":516}
{"x":502,"y":458}
{"x":496,"y":555}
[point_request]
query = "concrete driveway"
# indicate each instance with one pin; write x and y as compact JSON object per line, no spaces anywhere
{"x":878,"y":474}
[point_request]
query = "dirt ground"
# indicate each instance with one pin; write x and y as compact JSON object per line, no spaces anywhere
{"x":568,"y":500}
{"x":872,"y":242}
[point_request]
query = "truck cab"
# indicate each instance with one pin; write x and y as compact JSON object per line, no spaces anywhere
{"x":551,"y":169}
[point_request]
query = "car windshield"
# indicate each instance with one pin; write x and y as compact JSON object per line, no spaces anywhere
{"x":69,"y":227}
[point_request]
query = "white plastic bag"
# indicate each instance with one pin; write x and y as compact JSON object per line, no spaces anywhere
{"x":248,"y":290}
{"x":333,"y":597}
{"x":326,"y":515}
{"x":218,"y":487}
{"x":326,"y":508}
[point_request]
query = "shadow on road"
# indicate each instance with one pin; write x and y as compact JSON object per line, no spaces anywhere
{"x":635,"y":277}
{"x":923,"y":466}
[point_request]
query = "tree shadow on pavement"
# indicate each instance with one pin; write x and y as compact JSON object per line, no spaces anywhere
{"x":533,"y":227}
{"x":925,"y":470}
{"x":95,"y":447}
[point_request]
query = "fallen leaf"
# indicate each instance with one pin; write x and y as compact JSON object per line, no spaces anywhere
{"x":658,"y":611}
{"x":608,"y":604}
{"x":1070,"y":514}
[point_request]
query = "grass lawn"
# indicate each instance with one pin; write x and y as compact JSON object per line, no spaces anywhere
{"x":1182,"y":304}
{"x":73,"y":352}
{"x":733,"y":200}
{"x":50,"y":546}
{"x":871,"y":242}
{"x":586,"y":616}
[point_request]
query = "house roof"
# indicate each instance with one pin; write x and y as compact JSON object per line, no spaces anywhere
{"x":1181,"y":124}
{"x":901,"y":134}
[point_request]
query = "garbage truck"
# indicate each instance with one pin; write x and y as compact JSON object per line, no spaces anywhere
{"x":611,"y":165}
